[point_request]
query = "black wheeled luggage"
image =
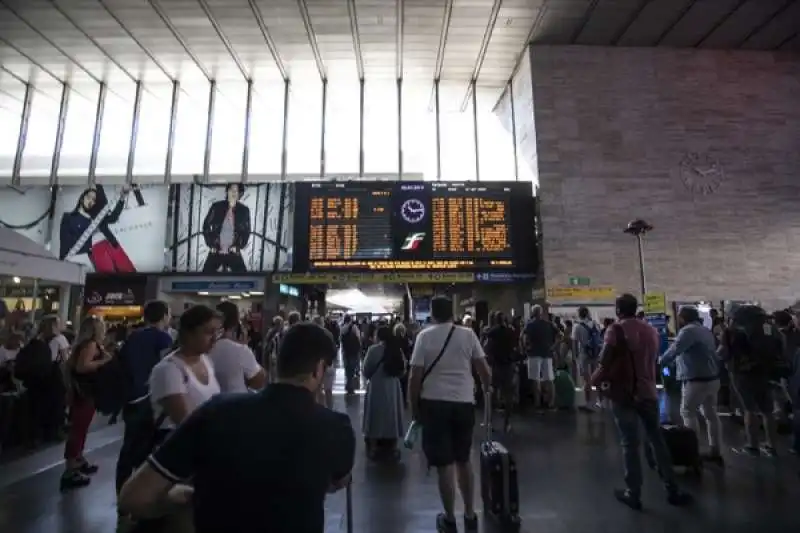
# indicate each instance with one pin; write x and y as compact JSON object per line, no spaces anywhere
{"x":499,"y":487}
{"x":683,"y":446}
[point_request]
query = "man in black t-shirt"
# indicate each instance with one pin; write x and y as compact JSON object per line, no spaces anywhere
{"x":258,"y":462}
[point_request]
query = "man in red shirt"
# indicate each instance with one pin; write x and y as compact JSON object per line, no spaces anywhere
{"x":641,"y":406}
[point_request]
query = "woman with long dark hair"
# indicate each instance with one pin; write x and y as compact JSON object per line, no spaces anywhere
{"x":86,"y":230}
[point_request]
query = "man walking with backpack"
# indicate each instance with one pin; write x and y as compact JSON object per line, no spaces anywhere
{"x":587,"y":342}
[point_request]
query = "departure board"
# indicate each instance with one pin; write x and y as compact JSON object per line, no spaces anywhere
{"x":414,"y":226}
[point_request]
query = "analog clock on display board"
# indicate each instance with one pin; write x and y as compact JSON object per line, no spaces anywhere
{"x":412,"y":210}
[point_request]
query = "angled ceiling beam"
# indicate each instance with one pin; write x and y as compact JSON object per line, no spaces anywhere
{"x":353,"y":14}
{"x":156,"y":6}
{"x":448,"y":15}
{"x":273,"y":49}
{"x":487,"y":37}
{"x":150,"y":55}
{"x":682,"y":13}
{"x":224,"y":38}
{"x":537,"y":23}
{"x":631,"y":20}
{"x":722,"y":20}
{"x":786,"y":5}
{"x":312,"y":39}
{"x":584,"y":21}
{"x":92,"y":40}
{"x":786,"y":41}
{"x":400,"y":15}
{"x":50,"y":42}
{"x":33,"y":63}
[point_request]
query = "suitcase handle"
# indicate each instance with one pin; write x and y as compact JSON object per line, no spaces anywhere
{"x":349,"y":506}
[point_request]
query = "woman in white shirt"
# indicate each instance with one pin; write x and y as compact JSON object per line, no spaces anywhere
{"x":184,"y":379}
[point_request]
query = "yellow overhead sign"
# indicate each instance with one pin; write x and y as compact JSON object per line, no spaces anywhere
{"x":655,"y":303}
{"x":322,"y":278}
{"x":581,"y":294}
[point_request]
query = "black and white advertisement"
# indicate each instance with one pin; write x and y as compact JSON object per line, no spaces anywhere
{"x":26,"y":210}
{"x":112,"y":228}
{"x":233,"y":228}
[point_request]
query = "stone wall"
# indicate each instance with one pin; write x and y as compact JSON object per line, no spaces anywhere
{"x":704,"y":145}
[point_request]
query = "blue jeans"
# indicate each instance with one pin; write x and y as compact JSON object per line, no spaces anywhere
{"x":627,"y":417}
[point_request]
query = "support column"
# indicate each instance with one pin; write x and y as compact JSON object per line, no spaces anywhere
{"x":212,"y":101}
{"x":247,"y":118}
{"x":23,"y":133}
{"x":63,"y":302}
{"x":438,"y":131}
{"x":98,"y":129}
{"x":361,"y":127}
{"x":285,"y":138}
{"x":475,"y":130}
{"x":323,"y":128}
{"x":62,"y":122}
{"x":34,"y":297}
{"x":400,"y":129}
{"x":513,"y":128}
{"x":137,"y":104}
{"x":173,"y":116}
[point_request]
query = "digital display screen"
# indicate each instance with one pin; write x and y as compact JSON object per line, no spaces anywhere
{"x":361,"y":225}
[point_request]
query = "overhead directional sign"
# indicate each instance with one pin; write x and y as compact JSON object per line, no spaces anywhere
{"x":581,"y":294}
{"x":321,"y":278}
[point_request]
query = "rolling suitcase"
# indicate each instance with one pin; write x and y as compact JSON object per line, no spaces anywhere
{"x":683,"y":447}
{"x":499,"y":487}
{"x":349,"y":507}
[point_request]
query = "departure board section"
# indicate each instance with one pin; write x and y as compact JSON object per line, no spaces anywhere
{"x":375,"y":225}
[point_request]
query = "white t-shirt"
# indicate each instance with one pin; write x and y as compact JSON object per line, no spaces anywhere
{"x":58,"y":343}
{"x":451,"y":378}
{"x":171,"y":376}
{"x":7,"y":355}
{"x":234,"y":364}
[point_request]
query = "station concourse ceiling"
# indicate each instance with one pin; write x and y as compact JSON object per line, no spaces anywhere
{"x":118,"y":42}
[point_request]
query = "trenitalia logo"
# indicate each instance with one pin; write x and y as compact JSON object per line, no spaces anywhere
{"x":413,"y":241}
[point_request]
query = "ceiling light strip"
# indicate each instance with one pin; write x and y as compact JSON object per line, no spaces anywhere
{"x":156,"y":6}
{"x":353,"y":14}
{"x":273,"y":49}
{"x":312,"y":39}
{"x":224,"y":38}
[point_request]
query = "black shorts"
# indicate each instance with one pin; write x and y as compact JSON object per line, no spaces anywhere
{"x":754,"y":393}
{"x":446,"y":431}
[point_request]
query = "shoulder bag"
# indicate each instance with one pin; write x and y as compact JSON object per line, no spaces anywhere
{"x":438,"y":357}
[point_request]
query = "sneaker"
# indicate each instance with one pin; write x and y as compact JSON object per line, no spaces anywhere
{"x":87,"y":468}
{"x":445,"y":525}
{"x":747,"y":450}
{"x":629,"y":498}
{"x":768,"y":451}
{"x":74,"y":479}
{"x":471,"y":523}
{"x":679,"y":498}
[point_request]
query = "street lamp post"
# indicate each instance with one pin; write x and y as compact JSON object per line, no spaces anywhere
{"x":638,"y":228}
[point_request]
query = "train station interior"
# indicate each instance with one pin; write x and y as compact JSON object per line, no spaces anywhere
{"x":346,"y":162}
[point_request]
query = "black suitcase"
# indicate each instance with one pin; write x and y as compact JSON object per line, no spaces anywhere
{"x":683,"y":447}
{"x":499,"y":487}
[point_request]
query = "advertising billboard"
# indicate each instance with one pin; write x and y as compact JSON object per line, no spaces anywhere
{"x":112,"y":228}
{"x":233,"y":228}
{"x":26,"y":210}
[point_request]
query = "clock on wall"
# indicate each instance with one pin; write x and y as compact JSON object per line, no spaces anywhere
{"x":701,"y":173}
{"x":412,"y":210}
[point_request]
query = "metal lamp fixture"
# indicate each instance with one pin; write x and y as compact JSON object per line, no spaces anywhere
{"x":638,"y":228}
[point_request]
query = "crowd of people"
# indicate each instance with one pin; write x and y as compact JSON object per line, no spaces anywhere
{"x":224,"y":436}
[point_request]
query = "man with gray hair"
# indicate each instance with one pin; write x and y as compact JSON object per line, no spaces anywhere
{"x":539,"y":337}
{"x":697,"y":367}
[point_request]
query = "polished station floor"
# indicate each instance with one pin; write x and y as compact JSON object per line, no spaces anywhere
{"x":568,"y":465}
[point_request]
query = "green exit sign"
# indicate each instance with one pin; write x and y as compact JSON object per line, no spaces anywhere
{"x":579,"y":282}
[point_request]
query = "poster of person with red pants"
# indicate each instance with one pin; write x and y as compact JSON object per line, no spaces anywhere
{"x":87,"y":230}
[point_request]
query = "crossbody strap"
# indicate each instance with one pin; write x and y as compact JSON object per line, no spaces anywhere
{"x":622,"y":342}
{"x":438,"y":357}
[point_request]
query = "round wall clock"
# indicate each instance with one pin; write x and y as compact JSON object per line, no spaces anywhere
{"x":412,"y":210}
{"x":701,"y":173}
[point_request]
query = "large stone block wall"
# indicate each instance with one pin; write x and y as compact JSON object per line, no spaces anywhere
{"x":625,"y":133}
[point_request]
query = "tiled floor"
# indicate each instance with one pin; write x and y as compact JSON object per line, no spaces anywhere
{"x":568,"y":464}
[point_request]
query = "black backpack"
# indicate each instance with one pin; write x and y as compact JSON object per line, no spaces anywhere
{"x":394,"y":363}
{"x":350,"y":341}
{"x":34,"y":362}
{"x":756,"y":345}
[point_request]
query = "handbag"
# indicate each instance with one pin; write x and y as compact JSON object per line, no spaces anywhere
{"x":616,"y":375}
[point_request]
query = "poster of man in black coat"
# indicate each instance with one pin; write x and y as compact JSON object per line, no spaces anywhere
{"x":226,"y":231}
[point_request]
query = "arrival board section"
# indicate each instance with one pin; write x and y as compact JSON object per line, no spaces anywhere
{"x":465,"y":224}
{"x":349,"y":224}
